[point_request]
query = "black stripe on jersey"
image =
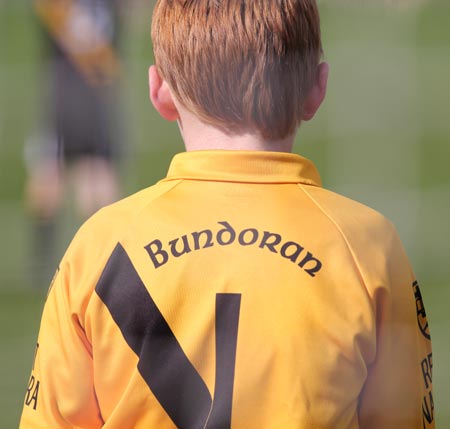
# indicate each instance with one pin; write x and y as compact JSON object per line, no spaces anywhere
{"x":162,"y":362}
{"x":227,"y":320}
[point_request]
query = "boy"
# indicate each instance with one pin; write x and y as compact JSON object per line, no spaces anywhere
{"x":235,"y":293}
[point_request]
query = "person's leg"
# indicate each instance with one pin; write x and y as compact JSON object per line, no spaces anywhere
{"x":44,"y":195}
{"x":95,"y":184}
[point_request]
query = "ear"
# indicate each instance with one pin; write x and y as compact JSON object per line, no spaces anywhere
{"x":317,"y":93}
{"x":161,"y":95}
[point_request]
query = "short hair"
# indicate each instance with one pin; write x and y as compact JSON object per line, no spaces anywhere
{"x":239,"y":64}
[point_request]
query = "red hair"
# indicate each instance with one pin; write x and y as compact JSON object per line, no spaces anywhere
{"x":239,"y":65}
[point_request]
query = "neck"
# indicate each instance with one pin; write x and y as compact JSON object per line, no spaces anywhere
{"x":198,"y":135}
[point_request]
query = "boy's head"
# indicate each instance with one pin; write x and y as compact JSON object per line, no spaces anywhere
{"x":240,"y":65}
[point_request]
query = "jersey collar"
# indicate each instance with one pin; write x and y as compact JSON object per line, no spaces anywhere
{"x":243,"y":166}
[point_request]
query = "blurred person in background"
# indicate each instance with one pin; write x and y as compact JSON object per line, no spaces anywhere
{"x":78,"y":135}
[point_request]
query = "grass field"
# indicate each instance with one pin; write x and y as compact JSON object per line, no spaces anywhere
{"x":382,"y":138}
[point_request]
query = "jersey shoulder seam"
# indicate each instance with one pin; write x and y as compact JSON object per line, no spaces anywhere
{"x":341,"y":233}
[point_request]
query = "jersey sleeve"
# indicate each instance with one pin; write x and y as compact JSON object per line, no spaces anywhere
{"x":398,"y":390}
{"x":60,"y":392}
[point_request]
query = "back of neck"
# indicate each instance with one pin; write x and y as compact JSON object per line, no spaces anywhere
{"x":198,"y":135}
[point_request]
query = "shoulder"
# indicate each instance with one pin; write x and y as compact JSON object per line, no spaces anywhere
{"x":97,"y":238}
{"x":361,"y":235}
{"x":347,"y":215}
{"x":111,"y":223}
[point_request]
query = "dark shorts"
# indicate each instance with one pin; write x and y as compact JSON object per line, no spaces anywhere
{"x":84,"y":117}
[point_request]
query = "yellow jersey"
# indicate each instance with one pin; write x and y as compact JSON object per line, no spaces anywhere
{"x":236,"y":293}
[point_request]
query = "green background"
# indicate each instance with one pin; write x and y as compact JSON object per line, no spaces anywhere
{"x":382,"y":137}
